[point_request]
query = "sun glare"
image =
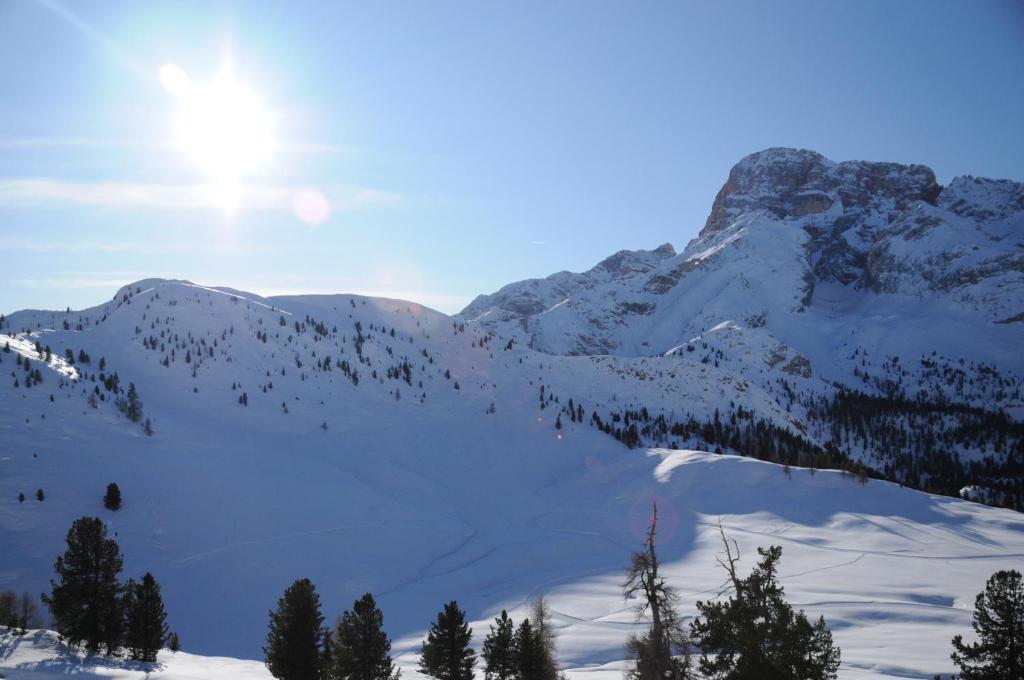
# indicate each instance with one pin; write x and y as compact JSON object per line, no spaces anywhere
{"x":223,"y":127}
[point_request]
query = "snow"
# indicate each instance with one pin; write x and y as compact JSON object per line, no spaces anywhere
{"x":418,"y":492}
{"x":39,"y":655}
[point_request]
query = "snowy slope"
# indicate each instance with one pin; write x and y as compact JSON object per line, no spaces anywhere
{"x":378,"y":445}
{"x":819,"y":256}
{"x":894,"y":571}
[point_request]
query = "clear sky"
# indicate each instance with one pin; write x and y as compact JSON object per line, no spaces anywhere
{"x":459,"y":146}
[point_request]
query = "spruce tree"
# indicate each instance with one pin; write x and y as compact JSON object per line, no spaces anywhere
{"x":86,"y":602}
{"x":296,"y":635}
{"x":446,"y":654}
{"x":359,"y":647}
{"x":499,"y":650}
{"x":112,"y":499}
{"x":145,"y":619}
{"x":999,"y":625}
{"x":756,"y":634}
{"x":662,"y":653}
{"x":531,"y":663}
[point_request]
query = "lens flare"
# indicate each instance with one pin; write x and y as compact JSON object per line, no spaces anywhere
{"x":311,"y":206}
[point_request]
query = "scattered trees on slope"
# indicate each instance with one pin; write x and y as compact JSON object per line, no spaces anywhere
{"x":19,"y":613}
{"x":85,"y":602}
{"x":90,"y":606}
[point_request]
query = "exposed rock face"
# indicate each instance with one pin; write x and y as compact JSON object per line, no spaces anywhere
{"x":792,"y":238}
{"x":796,"y":182}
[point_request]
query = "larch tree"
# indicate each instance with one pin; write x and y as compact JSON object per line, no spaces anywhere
{"x":662,"y":653}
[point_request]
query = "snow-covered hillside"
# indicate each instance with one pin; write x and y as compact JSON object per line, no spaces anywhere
{"x":819,"y":291}
{"x":378,"y":445}
{"x":894,"y":571}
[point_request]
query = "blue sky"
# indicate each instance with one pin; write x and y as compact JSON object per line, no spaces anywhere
{"x":465,"y":145}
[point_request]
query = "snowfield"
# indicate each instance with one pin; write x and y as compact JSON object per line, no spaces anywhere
{"x":894,"y":571}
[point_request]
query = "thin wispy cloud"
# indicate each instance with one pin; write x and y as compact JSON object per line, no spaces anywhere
{"x":298,"y":148}
{"x":110,"y":280}
{"x":140,"y":195}
{"x":44,"y":247}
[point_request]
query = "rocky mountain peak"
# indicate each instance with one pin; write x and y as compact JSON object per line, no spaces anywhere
{"x":797,"y":182}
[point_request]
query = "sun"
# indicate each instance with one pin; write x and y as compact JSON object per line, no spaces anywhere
{"x":223,"y":127}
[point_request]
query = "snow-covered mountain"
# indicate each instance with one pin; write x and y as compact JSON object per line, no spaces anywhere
{"x":832,"y":287}
{"x":847,"y":315}
{"x":795,"y":240}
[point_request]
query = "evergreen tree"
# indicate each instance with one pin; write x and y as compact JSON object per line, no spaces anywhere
{"x":145,"y":619}
{"x":531,"y":662}
{"x":296,"y":634}
{"x":133,"y":407}
{"x":999,"y":624}
{"x":9,"y":609}
{"x":755,"y":634}
{"x":359,"y":647}
{"x":40,"y":496}
{"x":499,"y":650}
{"x":86,"y":602}
{"x":174,"y":642}
{"x":446,"y":654}
{"x":663,"y":652}
{"x":112,"y":499}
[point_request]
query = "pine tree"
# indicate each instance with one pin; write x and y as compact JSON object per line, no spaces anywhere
{"x":295,"y":636}
{"x":86,"y":603}
{"x":531,"y":663}
{"x":756,"y":633}
{"x":145,"y":619}
{"x":133,"y":407}
{"x":174,"y":642}
{"x":40,"y":496}
{"x":112,"y":499}
{"x":663,"y":652}
{"x":446,"y":654}
{"x":999,"y":625}
{"x":359,"y":647}
{"x":499,"y":650}
{"x":9,"y":609}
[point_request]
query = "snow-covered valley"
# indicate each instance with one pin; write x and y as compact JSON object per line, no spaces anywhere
{"x":515,"y":449}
